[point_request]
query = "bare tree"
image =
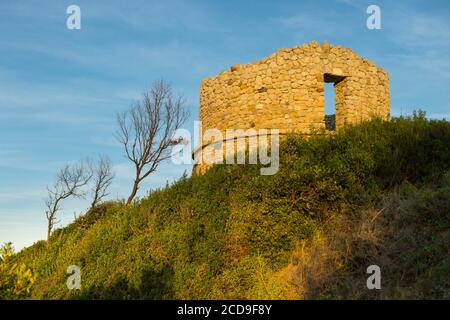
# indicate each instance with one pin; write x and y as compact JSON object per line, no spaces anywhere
{"x":103,"y":177}
{"x":69,"y":181}
{"x":147,"y":128}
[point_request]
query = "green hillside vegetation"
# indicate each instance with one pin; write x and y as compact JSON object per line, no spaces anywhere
{"x":376,"y":193}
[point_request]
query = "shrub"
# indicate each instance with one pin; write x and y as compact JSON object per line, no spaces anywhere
{"x":16,"y":280}
{"x":372,"y":193}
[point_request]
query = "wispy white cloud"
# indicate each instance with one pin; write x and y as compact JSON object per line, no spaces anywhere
{"x":7,"y":196}
{"x":423,"y":42}
{"x":155,"y":14}
{"x":7,"y":150}
{"x":18,"y":92}
{"x":72,"y":101}
{"x":427,"y":62}
{"x":324,"y":25}
{"x":417,"y":29}
{"x":353,"y":3}
{"x":141,"y":14}
{"x":124,"y":171}
{"x":304,"y":23}
{"x":22,"y":163}
{"x":106,"y":141}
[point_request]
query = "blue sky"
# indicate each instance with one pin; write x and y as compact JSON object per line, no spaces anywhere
{"x":60,"y":89}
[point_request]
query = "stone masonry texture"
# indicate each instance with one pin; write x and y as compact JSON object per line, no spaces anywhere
{"x":285,"y":91}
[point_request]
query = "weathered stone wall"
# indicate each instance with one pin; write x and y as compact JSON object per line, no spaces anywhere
{"x":285,"y":91}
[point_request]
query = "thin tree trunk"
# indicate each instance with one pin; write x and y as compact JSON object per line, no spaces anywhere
{"x":49,"y":233}
{"x":94,"y":201}
{"x":133,"y":192}
{"x":146,"y":130}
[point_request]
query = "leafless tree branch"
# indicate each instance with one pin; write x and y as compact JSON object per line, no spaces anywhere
{"x":146,"y":130}
{"x":103,"y":177}
{"x":69,"y":182}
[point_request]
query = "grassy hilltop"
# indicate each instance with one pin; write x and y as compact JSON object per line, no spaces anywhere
{"x":377,"y":193}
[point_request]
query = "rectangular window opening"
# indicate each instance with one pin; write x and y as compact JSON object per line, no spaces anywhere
{"x":330,"y":108}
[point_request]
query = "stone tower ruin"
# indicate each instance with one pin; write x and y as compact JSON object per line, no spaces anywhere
{"x":285,"y":91}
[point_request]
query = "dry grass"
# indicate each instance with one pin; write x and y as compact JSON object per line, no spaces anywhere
{"x":330,"y":264}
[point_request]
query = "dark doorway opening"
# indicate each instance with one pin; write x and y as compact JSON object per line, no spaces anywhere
{"x":330,"y":80}
{"x":330,"y":108}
